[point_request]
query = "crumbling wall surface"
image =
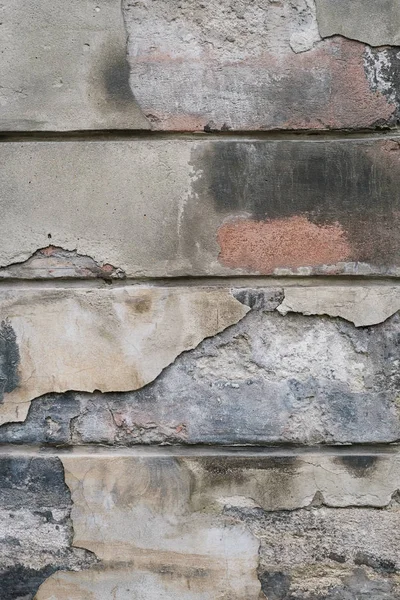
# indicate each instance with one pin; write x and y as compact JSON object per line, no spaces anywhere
{"x":199,"y":300}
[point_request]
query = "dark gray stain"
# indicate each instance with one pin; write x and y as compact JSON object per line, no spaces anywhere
{"x":21,"y":583}
{"x":358,"y":466}
{"x":35,"y":487}
{"x":258,"y":299}
{"x":375,"y":562}
{"x":32,"y":482}
{"x":116,"y":79}
{"x":337,"y":557}
{"x":275,"y":584}
{"x":387,"y":69}
{"x":9,"y":359}
{"x":354,"y":184}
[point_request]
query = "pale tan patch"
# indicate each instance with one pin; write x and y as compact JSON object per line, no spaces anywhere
{"x":108,"y":340}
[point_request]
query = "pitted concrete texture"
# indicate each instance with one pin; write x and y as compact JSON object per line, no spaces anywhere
{"x":268,"y":379}
{"x":243,"y":65}
{"x":109,"y":340}
{"x":165,"y":523}
{"x":63,"y":67}
{"x":375,"y":23}
{"x":326,"y":554}
{"x":204,"y":207}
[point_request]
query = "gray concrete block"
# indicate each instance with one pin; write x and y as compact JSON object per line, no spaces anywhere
{"x":263,"y":66}
{"x":63,"y":67}
{"x":200,"y":207}
{"x":375,"y":23}
{"x":267,"y":380}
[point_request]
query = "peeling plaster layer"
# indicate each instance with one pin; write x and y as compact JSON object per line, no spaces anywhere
{"x":206,"y":527}
{"x":52,"y":263}
{"x":247,"y":66}
{"x":363,"y":306}
{"x":224,"y":207}
{"x":369,"y":21}
{"x":268,"y":379}
{"x":107,"y":340}
{"x":63,"y":67}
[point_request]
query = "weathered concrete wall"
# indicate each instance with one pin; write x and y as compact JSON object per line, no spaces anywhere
{"x":199,"y":300}
{"x":224,"y":207}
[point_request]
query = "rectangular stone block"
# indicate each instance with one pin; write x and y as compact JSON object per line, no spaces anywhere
{"x":264,"y":66}
{"x":200,"y":207}
{"x":63,"y":67}
{"x":171,"y":524}
{"x":269,"y":378}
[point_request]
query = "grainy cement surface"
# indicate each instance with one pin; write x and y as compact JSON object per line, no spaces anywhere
{"x":63,"y":67}
{"x":240,"y":65}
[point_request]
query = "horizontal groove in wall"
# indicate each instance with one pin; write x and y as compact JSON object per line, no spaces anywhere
{"x":261,"y":281}
{"x":139,"y":135}
{"x":159,"y":451}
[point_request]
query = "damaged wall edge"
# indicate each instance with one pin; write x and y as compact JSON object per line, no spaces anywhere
{"x":120,"y":538}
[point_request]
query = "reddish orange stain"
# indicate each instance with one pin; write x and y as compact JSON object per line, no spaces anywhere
{"x":263,"y":246}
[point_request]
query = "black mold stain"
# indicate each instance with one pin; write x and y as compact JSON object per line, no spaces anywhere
{"x":9,"y":359}
{"x":351,"y":183}
{"x":21,"y":583}
{"x":358,"y":466}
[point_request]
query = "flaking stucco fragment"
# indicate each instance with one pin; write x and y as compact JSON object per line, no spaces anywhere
{"x":363,"y":306}
{"x":108,"y":340}
{"x":369,"y":21}
{"x":54,"y":262}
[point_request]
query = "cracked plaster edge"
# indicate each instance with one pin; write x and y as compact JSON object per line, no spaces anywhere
{"x":105,"y":269}
{"x":357,"y":310}
{"x":238,"y":502}
{"x":286,"y":306}
{"x":21,"y":408}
